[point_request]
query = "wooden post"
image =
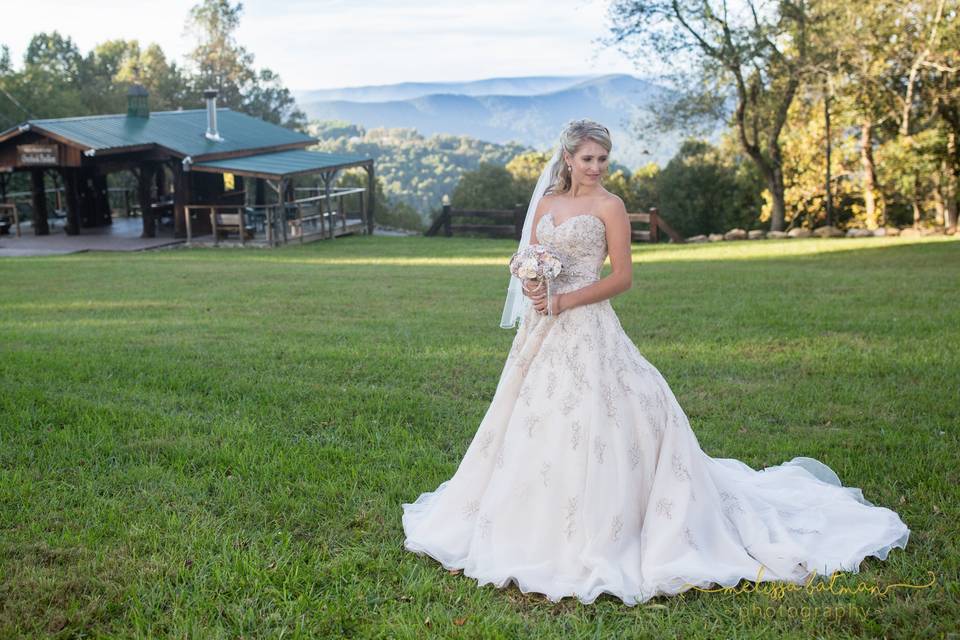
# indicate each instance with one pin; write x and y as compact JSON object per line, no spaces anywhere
{"x":41,"y":227}
{"x":161,"y":179}
{"x":363,"y":211}
{"x":181,"y":196}
{"x":269,"y":222}
{"x":213,"y":225}
{"x":371,"y":196}
{"x":72,"y":227}
{"x":519,"y":216}
{"x":243,"y":226}
{"x":145,"y":178}
{"x":445,"y":216}
{"x":283,"y":207}
{"x":101,"y":198}
{"x":654,"y":225}
{"x":300,"y":220}
{"x":326,"y":210}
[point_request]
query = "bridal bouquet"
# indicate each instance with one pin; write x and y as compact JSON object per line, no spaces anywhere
{"x":537,"y":262}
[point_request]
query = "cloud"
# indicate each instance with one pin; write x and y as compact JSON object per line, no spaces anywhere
{"x":335,"y":43}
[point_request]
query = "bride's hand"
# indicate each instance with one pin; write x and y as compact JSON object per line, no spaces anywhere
{"x":536,"y":289}
{"x":556,"y":304}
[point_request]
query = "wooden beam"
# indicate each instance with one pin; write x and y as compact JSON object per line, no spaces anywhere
{"x":181,"y":196}
{"x":277,"y":176}
{"x":145,"y":179}
{"x":70,"y":178}
{"x":41,"y":227}
{"x":371,"y":195}
{"x":240,"y":153}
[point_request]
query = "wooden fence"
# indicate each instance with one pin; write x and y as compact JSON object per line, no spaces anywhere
{"x":511,"y":224}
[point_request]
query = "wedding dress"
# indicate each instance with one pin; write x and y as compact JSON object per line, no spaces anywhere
{"x":584,"y":476}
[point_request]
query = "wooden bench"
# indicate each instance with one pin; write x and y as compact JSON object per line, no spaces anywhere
{"x":224,"y":223}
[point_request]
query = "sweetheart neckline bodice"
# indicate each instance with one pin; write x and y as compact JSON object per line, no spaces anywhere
{"x":553,"y":218}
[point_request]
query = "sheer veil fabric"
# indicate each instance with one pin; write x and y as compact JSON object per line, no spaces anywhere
{"x":516,"y":303}
{"x":585,"y":477}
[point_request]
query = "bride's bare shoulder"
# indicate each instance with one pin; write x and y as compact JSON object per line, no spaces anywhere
{"x":544,"y":205}
{"x":611,"y":207}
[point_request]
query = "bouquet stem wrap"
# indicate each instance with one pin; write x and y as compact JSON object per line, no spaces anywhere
{"x":549,"y":299}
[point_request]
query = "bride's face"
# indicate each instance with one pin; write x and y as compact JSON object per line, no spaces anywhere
{"x":589,"y":163}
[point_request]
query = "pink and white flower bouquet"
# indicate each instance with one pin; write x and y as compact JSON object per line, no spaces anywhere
{"x":537,"y":262}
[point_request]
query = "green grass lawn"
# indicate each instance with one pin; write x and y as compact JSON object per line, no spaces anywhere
{"x":215,"y":443}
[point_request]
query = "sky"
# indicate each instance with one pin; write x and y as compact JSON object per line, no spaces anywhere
{"x":344,"y":43}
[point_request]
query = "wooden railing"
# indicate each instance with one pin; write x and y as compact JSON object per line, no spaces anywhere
{"x":516,"y":216}
{"x":656,"y":224}
{"x":293,"y":218}
{"x":511,"y":222}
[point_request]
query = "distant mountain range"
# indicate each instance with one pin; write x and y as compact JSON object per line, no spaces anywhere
{"x":527,"y":110}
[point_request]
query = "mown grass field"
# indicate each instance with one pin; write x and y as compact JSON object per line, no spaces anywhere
{"x":215,"y":443}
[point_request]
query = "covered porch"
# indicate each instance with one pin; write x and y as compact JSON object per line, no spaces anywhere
{"x":294,"y":200}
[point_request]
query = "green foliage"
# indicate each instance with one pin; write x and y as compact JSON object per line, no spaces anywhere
{"x":56,"y":80}
{"x":700,"y":192}
{"x":395,"y":213}
{"x":489,"y":186}
{"x":416,"y":170}
{"x":526,"y":169}
{"x":219,"y":62}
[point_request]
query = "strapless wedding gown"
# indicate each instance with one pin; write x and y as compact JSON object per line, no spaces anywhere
{"x":584,"y":476}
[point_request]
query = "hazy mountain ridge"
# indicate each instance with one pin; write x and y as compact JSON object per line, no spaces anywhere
{"x":528,"y":85}
{"x":532,"y":115}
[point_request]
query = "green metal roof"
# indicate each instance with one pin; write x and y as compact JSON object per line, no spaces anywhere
{"x":281,"y":164}
{"x":179,"y":131}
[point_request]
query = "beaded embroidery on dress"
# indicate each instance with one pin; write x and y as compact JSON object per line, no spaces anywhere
{"x":584,"y":476}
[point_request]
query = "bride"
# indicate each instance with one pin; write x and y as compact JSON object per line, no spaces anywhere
{"x":585,"y":477}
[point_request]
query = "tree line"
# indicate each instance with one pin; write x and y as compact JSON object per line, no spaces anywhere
{"x":848,"y":111}
{"x":56,"y":79}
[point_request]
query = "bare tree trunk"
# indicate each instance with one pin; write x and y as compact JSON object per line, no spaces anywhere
{"x":917,"y":209}
{"x":775,"y":184}
{"x":826,"y":186}
{"x":939,"y":195}
{"x":869,"y":174}
{"x":953,"y":194}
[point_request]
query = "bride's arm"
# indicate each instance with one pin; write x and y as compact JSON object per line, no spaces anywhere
{"x":617,"y":223}
{"x":542,"y":206}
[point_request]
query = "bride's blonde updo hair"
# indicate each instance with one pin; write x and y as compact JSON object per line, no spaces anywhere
{"x":573,"y":135}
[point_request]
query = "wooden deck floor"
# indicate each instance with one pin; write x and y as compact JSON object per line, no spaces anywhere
{"x":124,"y":235}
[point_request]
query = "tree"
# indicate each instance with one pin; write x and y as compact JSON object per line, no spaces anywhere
{"x":525,"y":169}
{"x":490,"y":186}
{"x":759,"y":54}
{"x":219,"y":62}
{"x":699,"y":192}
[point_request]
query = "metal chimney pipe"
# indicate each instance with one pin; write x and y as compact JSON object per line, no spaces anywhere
{"x":212,"y":133}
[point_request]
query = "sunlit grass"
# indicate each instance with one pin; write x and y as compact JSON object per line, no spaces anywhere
{"x":216,"y":442}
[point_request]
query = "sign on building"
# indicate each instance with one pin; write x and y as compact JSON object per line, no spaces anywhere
{"x":37,"y":155}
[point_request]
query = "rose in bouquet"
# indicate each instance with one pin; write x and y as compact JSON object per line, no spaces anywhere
{"x":537,"y":262}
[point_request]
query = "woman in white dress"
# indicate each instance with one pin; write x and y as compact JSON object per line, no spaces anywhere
{"x":584,"y":476}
